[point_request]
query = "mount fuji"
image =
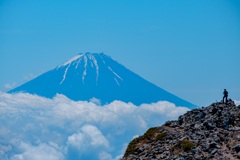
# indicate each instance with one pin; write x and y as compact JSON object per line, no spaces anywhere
{"x":96,"y":75}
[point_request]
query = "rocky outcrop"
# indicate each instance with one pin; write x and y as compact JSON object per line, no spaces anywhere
{"x":211,"y":132}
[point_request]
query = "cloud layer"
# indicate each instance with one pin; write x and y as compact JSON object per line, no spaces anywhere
{"x":237,"y":102}
{"x":34,"y":127}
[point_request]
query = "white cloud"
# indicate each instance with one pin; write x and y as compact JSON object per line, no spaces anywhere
{"x":163,"y":107}
{"x":39,"y":152}
{"x":88,"y":136}
{"x":71,"y":129}
{"x":96,"y":101}
{"x":237,"y":102}
{"x":105,"y":156}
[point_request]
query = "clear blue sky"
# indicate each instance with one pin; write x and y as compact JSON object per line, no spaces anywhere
{"x":189,"y":48}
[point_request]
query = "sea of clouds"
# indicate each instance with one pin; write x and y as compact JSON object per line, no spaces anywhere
{"x":37,"y":128}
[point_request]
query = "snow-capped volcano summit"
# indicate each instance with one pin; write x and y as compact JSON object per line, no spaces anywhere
{"x":96,"y":75}
{"x":86,"y":66}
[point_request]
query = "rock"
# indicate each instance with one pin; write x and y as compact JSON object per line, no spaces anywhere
{"x":238,"y":137}
{"x":238,"y":155}
{"x":201,"y":115}
{"x":214,"y":145}
{"x":208,"y":124}
{"x":234,"y":129}
{"x":202,"y":133}
{"x":214,"y":151}
{"x":237,"y":148}
{"x":214,"y":110}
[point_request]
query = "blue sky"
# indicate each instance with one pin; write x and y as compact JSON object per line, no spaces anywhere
{"x":189,"y":48}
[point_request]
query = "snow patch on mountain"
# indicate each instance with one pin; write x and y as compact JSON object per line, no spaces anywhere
{"x":78,"y":62}
{"x":85,"y":69}
{"x":117,"y":82}
{"x":114,"y":73}
{"x":72,"y":59}
{"x":96,"y":66}
{"x":65,"y":73}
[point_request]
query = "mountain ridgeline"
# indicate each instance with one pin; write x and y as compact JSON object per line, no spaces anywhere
{"x":211,"y":132}
{"x":96,"y":75}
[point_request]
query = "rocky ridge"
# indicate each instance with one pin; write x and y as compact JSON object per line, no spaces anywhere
{"x":211,"y":132}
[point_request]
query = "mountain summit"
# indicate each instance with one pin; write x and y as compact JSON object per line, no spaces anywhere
{"x":96,"y":75}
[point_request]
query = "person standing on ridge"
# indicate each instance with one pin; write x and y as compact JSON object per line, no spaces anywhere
{"x":225,"y":95}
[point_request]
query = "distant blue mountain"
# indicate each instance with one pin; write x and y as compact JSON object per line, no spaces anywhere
{"x":97,"y":75}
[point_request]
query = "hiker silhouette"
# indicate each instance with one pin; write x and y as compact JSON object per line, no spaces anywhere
{"x":225,"y":95}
